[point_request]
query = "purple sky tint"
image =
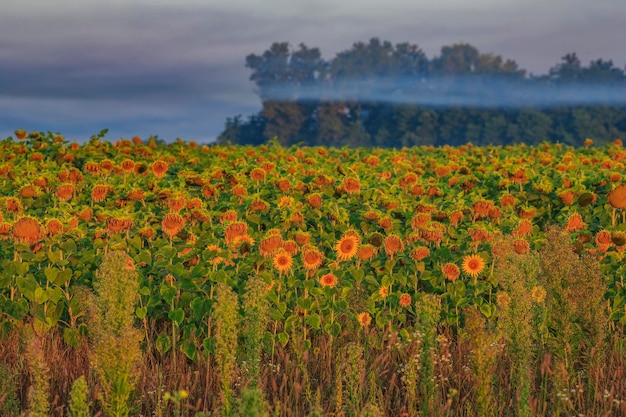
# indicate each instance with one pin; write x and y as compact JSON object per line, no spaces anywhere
{"x":177,"y":68}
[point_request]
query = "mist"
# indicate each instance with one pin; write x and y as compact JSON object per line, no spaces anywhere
{"x":457,"y":91}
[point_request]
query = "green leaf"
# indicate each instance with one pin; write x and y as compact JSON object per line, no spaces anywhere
{"x":177,"y":316}
{"x":51,"y":273}
{"x":27,"y":286}
{"x":141,"y":312}
{"x":208,"y":344}
{"x":163,"y":344}
{"x":314,"y":321}
{"x":283,"y":338}
{"x":189,"y":349}
{"x":168,"y":292}
{"x":486,"y":310}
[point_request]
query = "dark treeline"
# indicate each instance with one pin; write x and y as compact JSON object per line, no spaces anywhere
{"x":379,"y":94}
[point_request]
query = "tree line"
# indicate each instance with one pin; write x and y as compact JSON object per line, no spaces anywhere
{"x":380,"y":94}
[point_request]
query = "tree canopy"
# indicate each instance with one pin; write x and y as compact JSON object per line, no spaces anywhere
{"x":381,"y":94}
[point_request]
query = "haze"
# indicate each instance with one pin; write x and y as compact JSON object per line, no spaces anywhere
{"x":177,"y":68}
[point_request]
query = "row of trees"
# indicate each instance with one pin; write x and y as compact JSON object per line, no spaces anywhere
{"x":379,"y":94}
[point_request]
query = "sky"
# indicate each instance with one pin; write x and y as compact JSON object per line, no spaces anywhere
{"x":176,"y":68}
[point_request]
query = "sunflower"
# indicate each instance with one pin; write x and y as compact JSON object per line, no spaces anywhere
{"x":194,"y":203}
{"x":5,"y":229}
{"x":383,"y":292}
{"x":234,"y":230}
{"x":365,"y":252}
{"x":29,"y":191}
{"x":65,"y":191}
{"x":159,"y":168}
{"x":364,"y":319}
{"x":575,"y":222}
{"x":311,"y":258}
{"x":393,"y":245}
{"x":314,"y":200}
{"x":27,"y":230}
{"x":91,"y":167}
{"x":229,"y":216}
{"x":85,"y":215}
{"x":257,"y":174}
{"x":603,"y":238}
{"x":13,"y":204}
{"x":128,"y":165}
{"x":329,"y":280}
{"x":259,"y":205}
{"x":176,"y":202}
{"x":239,"y":190}
{"x":269,"y":245}
{"x":283,"y":185}
{"x":209,"y":191}
{"x":146,"y":232}
{"x":136,"y":194}
{"x":385,"y":222}
{"x":54,"y":226}
{"x":617,"y":197}
{"x":451,"y":271}
{"x":282,"y":262}
{"x":172,"y":224}
{"x":524,"y":228}
{"x":507,"y":200}
{"x":420,"y":253}
{"x":347,"y":247}
{"x":351,"y":185}
{"x":117,"y":225}
{"x":521,"y":246}
{"x":376,"y":240}
{"x":473,"y":265}
{"x":291,"y":247}
{"x":567,"y":197}
{"x":405,"y":300}
{"x":420,"y":220}
{"x":302,"y":238}
{"x":99,"y":192}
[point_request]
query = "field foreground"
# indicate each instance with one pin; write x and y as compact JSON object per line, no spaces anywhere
{"x":143,"y":278}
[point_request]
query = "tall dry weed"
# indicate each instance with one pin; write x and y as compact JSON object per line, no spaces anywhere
{"x":115,"y":341}
{"x":227,"y":321}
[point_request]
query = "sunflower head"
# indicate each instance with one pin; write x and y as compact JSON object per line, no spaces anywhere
{"x":347,"y":246}
{"x":617,"y":197}
{"x":27,"y":230}
{"x":451,"y":271}
{"x":364,"y":319}
{"x":473,"y":265}
{"x":329,"y":280}
{"x":282,"y":262}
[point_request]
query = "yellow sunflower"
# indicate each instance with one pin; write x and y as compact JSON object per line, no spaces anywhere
{"x":347,"y":247}
{"x":283,"y":261}
{"x":473,"y":265}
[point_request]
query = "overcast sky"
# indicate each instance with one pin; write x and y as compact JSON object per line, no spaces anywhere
{"x":176,"y":68}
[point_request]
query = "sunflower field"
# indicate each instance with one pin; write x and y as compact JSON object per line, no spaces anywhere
{"x":310,"y":281}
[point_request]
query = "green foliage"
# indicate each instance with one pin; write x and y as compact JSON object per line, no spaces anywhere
{"x":227,"y":321}
{"x":252,"y":403}
{"x":9,"y":405}
{"x":79,"y":402}
{"x":115,"y":340}
{"x":254,"y":324}
{"x":39,"y":390}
